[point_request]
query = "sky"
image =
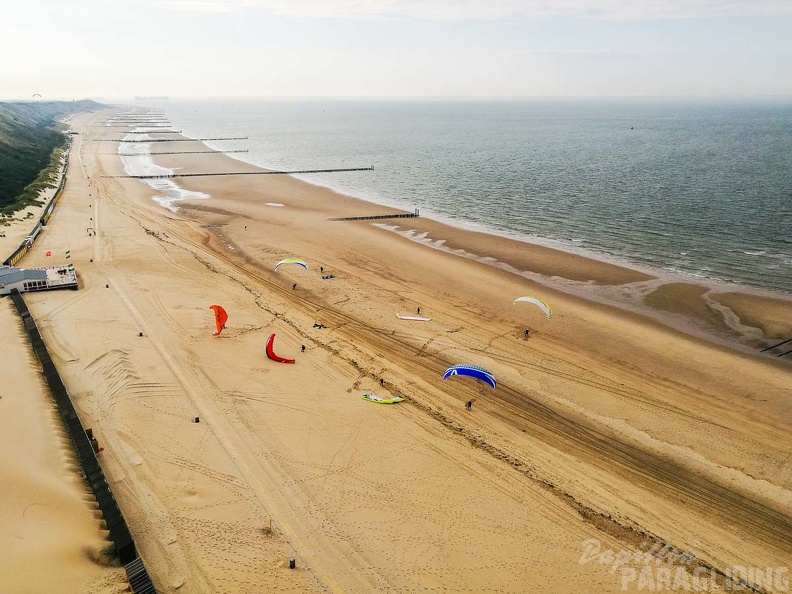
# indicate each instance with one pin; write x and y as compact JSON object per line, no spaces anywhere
{"x":395,"y":48}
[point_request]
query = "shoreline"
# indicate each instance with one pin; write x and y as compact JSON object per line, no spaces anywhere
{"x":568,"y":247}
{"x":639,"y":289}
{"x":604,"y":425}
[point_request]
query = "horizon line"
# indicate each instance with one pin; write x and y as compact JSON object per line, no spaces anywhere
{"x":403,"y":97}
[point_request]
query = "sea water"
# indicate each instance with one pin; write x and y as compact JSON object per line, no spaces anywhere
{"x":137,"y":160}
{"x":691,"y":187}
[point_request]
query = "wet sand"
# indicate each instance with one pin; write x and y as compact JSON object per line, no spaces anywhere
{"x":607,"y":424}
{"x":52,"y":539}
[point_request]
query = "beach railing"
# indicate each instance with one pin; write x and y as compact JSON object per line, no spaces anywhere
{"x":166,"y":139}
{"x":176,"y":153}
{"x":139,"y":578}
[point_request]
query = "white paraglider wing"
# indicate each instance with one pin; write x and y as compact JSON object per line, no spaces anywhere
{"x":538,"y":303}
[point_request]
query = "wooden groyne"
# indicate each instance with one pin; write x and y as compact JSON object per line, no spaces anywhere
{"x":177,"y":153}
{"x":124,"y":545}
{"x":138,"y":122}
{"x":174,"y":175}
{"x":775,"y":346}
{"x":157,"y":132}
{"x":167,"y":139}
{"x":406,"y":215}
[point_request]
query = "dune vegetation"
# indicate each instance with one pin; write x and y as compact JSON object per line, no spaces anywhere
{"x":32,"y":139}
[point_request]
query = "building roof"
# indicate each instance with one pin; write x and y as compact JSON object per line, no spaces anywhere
{"x":10,"y":275}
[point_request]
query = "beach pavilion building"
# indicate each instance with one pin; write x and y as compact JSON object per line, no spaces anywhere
{"x":37,"y":279}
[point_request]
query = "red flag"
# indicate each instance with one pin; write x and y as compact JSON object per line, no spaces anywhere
{"x":49,"y":254}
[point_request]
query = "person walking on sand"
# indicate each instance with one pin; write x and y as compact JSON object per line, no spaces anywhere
{"x":419,"y":311}
{"x":302,"y":348}
{"x":294,"y":286}
{"x":469,"y":405}
{"x":527,"y":333}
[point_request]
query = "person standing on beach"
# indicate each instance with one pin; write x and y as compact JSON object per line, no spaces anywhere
{"x":469,"y":405}
{"x":419,"y":311}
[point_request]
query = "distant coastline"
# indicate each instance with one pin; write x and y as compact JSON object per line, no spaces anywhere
{"x":151,"y":98}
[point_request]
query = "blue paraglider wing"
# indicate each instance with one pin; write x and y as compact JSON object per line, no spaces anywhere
{"x":471,"y":370}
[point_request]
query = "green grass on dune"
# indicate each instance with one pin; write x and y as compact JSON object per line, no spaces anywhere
{"x":31,"y":145}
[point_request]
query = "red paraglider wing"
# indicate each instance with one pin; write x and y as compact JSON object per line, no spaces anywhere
{"x":221,"y":317}
{"x":271,"y":354}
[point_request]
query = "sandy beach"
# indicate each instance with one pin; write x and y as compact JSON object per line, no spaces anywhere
{"x":641,"y":415}
{"x":49,"y":518}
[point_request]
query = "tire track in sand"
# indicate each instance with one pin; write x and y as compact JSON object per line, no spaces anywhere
{"x":653,"y":472}
{"x":339,"y":566}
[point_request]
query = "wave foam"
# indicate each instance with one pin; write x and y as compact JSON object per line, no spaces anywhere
{"x":169,"y":192}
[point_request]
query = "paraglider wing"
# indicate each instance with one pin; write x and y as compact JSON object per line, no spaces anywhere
{"x":413,"y":318}
{"x":292,"y":261}
{"x":471,"y":370}
{"x":271,"y":353}
{"x":538,"y":303}
{"x":379,"y":400}
{"x":221,"y":317}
